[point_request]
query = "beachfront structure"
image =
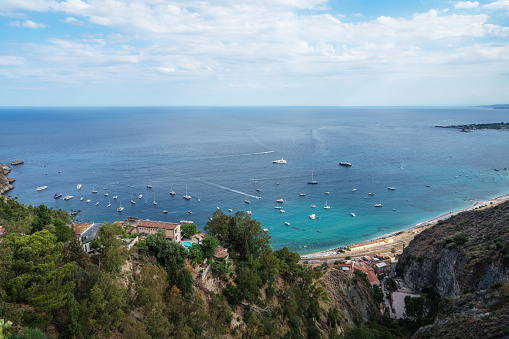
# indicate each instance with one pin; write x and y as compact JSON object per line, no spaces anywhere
{"x":86,"y":233}
{"x":146,"y":227}
{"x":369,"y":244}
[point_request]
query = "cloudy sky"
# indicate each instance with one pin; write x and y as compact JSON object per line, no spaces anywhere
{"x":254,"y":52}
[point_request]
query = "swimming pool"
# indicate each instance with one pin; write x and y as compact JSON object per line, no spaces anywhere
{"x":186,"y":244}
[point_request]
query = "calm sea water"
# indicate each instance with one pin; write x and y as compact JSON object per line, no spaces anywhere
{"x":224,"y":155}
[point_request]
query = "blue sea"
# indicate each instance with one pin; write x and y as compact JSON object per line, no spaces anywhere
{"x":224,"y":154}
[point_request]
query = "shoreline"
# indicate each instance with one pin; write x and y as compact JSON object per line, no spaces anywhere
{"x":399,"y":239}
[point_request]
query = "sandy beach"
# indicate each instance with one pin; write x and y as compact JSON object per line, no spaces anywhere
{"x":402,"y":238}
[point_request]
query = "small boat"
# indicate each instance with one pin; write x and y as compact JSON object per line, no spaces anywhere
{"x":199,"y":200}
{"x":88,"y":200}
{"x":327,"y":207}
{"x":393,"y":209}
{"x":312,"y":216}
{"x":97,"y":203}
{"x":355,"y":189}
{"x":115,"y":197}
{"x":277,"y":182}
{"x":94,"y":190}
{"x":287,"y":223}
{"x":165,"y":211}
{"x":391,"y":188}
{"x":378,"y":205}
{"x":282,"y":210}
{"x":68,"y":197}
{"x":81,"y":199}
{"x":327,"y":193}
{"x":345,"y":163}
{"x":302,"y":195}
{"x":248,"y":212}
{"x":278,"y":207}
{"x":171,"y":191}
{"x":155,"y":202}
{"x":313,"y":206}
{"x":133,"y":202}
{"x":41,"y":188}
{"x":428,"y":186}
{"x":140,"y":196}
{"x":352,"y":214}
{"x":120,"y":209}
{"x":106,"y":194}
{"x":258,"y":190}
{"x":230,"y":210}
{"x":109,"y":203}
{"x":313,"y":181}
{"x":78,"y":187}
{"x":247,"y":201}
{"x":280,"y":161}
{"x":187,"y":196}
{"x":280,"y":200}
{"x":189,"y":212}
{"x":58,"y":195}
{"x":218,"y":207}
{"x":265,"y":229}
{"x":149,"y":185}
{"x":371,"y":193}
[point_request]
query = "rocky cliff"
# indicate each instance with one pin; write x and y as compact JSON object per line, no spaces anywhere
{"x":5,"y":182}
{"x":468,"y":252}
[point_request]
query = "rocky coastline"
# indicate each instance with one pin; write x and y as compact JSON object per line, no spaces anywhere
{"x":5,"y":181}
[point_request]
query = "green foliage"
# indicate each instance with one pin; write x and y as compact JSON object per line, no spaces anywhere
{"x":391,"y":285}
{"x":188,"y":230}
{"x":185,"y":281}
{"x":378,"y":294}
{"x":4,"y":325}
{"x":222,"y":267}
{"x":29,"y":333}
{"x":248,"y":284}
{"x":62,"y":231}
{"x":196,"y":254}
{"x":333,"y":317}
{"x":460,"y":239}
{"x":288,"y":261}
{"x":104,"y":310}
{"x":113,"y":253}
{"x":76,"y":253}
{"x":36,"y":272}
{"x":208,"y":246}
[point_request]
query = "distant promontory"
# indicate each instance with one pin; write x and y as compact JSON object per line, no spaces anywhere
{"x":467,"y":128}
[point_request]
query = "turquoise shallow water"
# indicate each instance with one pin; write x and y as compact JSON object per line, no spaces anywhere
{"x":224,"y":155}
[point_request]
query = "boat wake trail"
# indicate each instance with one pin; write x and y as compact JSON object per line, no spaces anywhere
{"x":231,"y":190}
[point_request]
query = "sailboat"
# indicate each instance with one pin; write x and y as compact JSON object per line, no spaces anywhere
{"x":132,"y":201}
{"x":94,"y":191}
{"x":155,"y":202}
{"x":149,"y":185}
{"x":109,"y":203}
{"x":327,"y":207}
{"x":171,"y":191}
{"x":187,"y":197}
{"x":313,"y":181}
{"x":120,"y":209}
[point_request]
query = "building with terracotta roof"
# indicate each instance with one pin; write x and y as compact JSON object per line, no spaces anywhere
{"x":146,"y":227}
{"x":86,"y":233}
{"x":221,"y":252}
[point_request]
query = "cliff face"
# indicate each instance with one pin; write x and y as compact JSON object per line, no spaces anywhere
{"x":468,"y":252}
{"x":5,"y":184}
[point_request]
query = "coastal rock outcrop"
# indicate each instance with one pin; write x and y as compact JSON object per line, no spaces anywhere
{"x":5,"y":182}
{"x":17,"y":162}
{"x":468,"y":252}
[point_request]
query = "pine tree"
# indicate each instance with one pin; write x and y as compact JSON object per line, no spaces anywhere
{"x":37,"y":275}
{"x":76,"y":253}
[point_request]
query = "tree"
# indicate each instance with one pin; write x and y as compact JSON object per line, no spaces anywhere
{"x":208,"y":245}
{"x":104,"y":311}
{"x":37,"y":276}
{"x":42,"y":218}
{"x":110,"y":246}
{"x":76,"y":253}
{"x":248,"y":283}
{"x":62,"y":231}
{"x":188,"y":230}
{"x":218,"y":225}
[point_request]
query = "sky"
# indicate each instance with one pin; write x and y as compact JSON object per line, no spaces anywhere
{"x":253,"y":52}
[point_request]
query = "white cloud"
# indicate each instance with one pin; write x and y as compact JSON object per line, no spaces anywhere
{"x":9,"y":60}
{"x":73,"y":21}
{"x":27,"y":24}
{"x":466,"y":4}
{"x":501,"y":4}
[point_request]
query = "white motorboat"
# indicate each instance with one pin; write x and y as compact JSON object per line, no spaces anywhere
{"x":120,"y":209}
{"x":265,"y":229}
{"x":371,"y":193}
{"x":140,"y":196}
{"x":41,"y":188}
{"x":247,"y":201}
{"x":155,"y":202}
{"x":78,"y":187}
{"x":327,"y":193}
{"x":313,"y":206}
{"x":97,"y":203}
{"x":391,"y":188}
{"x":248,"y":212}
{"x":378,"y":205}
{"x":278,"y":207}
{"x":230,"y":210}
{"x":106,"y":194}
{"x":115,"y":197}
{"x":68,"y":197}
{"x":345,"y":163}
{"x":89,"y":200}
{"x":312,"y":216}
{"x":302,"y":194}
{"x":287,"y":223}
{"x":280,"y":161}
{"x":94,"y":190}
{"x":282,"y":210}
{"x":280,"y":200}
{"x":81,"y":199}
{"x":165,"y":211}
{"x":354,"y":189}
{"x":352,"y":214}
{"x":327,"y":207}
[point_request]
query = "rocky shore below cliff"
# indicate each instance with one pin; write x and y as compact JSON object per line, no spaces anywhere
{"x":5,"y":181}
